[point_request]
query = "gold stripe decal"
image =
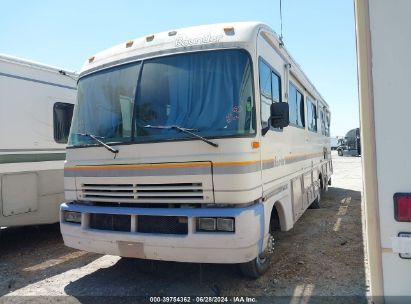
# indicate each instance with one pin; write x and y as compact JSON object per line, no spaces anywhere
{"x":189,"y":168}
{"x":155,"y":166}
{"x":144,"y":166}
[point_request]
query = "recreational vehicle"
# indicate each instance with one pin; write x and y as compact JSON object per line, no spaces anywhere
{"x":194,"y":145}
{"x":383,"y":53}
{"x":36,"y":105}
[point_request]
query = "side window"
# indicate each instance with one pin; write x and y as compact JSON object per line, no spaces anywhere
{"x":62,"y":114}
{"x":327,"y":123}
{"x":296,"y":105}
{"x":266,"y":94}
{"x":311,"y":115}
{"x":301,"y":113}
{"x":265,"y":79}
{"x":270,"y":88}
{"x":276,"y":87}
{"x":323,"y":130}
{"x":292,"y":104}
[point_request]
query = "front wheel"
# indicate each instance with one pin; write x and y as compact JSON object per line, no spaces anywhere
{"x":340,"y":153}
{"x":257,"y":267}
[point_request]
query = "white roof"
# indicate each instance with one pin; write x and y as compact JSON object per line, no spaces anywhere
{"x":34,"y":64}
{"x":184,"y":39}
{"x":188,"y":39}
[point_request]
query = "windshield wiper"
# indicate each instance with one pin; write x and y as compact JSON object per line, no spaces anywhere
{"x":186,"y":131}
{"x":111,"y":149}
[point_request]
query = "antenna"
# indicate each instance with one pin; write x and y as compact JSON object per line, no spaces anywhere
{"x":281,"y":22}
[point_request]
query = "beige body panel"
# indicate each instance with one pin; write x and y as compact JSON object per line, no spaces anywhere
{"x":383,"y":50}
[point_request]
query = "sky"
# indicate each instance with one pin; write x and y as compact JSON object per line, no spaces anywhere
{"x":319,"y":34}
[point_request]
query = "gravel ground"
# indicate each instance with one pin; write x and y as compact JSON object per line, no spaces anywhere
{"x":322,"y":255}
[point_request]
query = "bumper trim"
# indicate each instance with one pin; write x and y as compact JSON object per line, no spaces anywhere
{"x":120,"y":245}
{"x":241,"y":246}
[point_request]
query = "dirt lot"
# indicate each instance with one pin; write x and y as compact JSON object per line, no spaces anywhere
{"x":322,"y":255}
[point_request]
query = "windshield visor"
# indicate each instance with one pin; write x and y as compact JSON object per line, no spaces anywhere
{"x":209,"y":92}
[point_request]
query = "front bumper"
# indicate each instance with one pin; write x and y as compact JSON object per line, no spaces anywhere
{"x":241,"y":246}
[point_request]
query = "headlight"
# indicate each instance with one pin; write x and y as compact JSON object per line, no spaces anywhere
{"x":206,"y":224}
{"x":72,"y":217}
{"x":217,"y":224}
{"x":225,"y":224}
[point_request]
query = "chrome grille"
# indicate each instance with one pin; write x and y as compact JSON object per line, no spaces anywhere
{"x":151,"y":193}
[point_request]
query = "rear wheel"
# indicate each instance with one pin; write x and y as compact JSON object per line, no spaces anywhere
{"x":340,"y":153}
{"x":316,"y":203}
{"x":257,"y":267}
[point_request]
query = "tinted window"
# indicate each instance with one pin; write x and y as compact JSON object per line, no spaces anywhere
{"x":209,"y":92}
{"x":276,"y":87}
{"x":266,"y":94}
{"x":105,"y":103}
{"x":265,"y":80}
{"x":311,"y":116}
{"x":296,"y":105}
{"x":301,"y":113}
{"x":323,"y":131}
{"x":327,"y":124}
{"x":270,"y":88}
{"x":62,"y":114}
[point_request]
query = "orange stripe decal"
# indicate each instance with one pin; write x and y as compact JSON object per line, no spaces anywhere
{"x":185,"y":165}
{"x":145,"y":166}
{"x":153,"y":166}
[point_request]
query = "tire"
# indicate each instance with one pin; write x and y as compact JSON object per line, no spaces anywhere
{"x":340,"y":153}
{"x":316,"y":204}
{"x":257,"y":267}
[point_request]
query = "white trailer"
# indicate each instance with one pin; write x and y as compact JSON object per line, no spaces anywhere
{"x":383,"y":52}
{"x":36,"y":105}
{"x":194,"y":145}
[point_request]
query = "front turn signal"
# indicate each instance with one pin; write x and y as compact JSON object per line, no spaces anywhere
{"x":255,"y":144}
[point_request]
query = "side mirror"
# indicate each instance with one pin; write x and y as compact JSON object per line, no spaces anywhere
{"x":279,"y":115}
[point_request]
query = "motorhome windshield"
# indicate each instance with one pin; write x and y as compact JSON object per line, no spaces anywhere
{"x":209,"y":92}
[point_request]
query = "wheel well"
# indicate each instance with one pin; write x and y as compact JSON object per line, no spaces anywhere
{"x":275,"y":224}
